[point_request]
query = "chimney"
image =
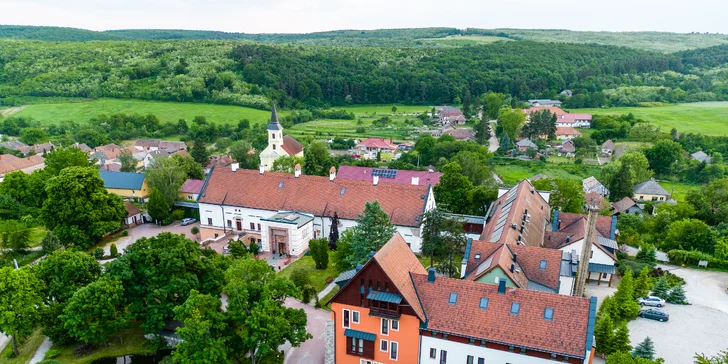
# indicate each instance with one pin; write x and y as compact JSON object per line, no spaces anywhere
{"x":415,"y":180}
{"x":262,"y":169}
{"x":332,"y":174}
{"x":431,"y":275}
{"x":376,"y":180}
{"x":513,"y":267}
{"x":235,"y":166}
{"x":502,"y":286}
{"x":297,"y":172}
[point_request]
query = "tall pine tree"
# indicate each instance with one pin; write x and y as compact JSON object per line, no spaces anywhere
{"x":372,"y":231}
{"x":624,"y":301}
{"x":643,"y":284}
{"x":645,"y":349}
{"x":661,"y":288}
{"x":604,"y":334}
{"x":620,"y":341}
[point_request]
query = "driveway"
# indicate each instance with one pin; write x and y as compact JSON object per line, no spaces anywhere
{"x":313,"y":350}
{"x":148,"y":231}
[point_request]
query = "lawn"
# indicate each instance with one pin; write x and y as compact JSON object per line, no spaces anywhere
{"x":23,"y":258}
{"x":699,"y":117}
{"x":679,"y":190}
{"x":328,"y":296}
{"x":82,"y":111}
{"x":512,"y":174}
{"x":133,"y":338}
{"x":36,"y":236}
{"x":27,"y":348}
{"x":318,"y":277}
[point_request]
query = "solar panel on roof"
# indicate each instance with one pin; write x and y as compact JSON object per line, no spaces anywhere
{"x":384,"y":173}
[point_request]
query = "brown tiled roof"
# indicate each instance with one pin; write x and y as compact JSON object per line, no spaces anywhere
{"x":609,"y":144}
{"x":111,"y":151}
{"x":291,"y":146}
{"x":10,"y":163}
{"x":397,"y":261}
{"x":220,"y":161}
{"x":181,"y":152}
{"x":574,"y":227}
{"x":567,"y":130}
{"x":313,"y":194}
{"x":528,"y":260}
{"x":565,"y":334}
{"x":164,"y":144}
{"x":131,"y":210}
{"x":83,"y":147}
{"x":623,"y":204}
{"x":526,"y":198}
{"x":553,"y":109}
{"x":568,"y":146}
{"x":111,"y":167}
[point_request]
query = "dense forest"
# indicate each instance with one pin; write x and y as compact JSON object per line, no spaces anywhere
{"x":254,"y":74}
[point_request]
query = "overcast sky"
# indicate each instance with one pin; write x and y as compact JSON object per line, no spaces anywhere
{"x":303,"y":16}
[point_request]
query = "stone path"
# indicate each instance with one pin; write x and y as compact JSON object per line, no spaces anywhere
{"x":326,"y":290}
{"x":42,"y":350}
{"x":313,"y":350}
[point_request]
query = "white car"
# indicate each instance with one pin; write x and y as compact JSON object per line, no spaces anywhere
{"x":652,"y":301}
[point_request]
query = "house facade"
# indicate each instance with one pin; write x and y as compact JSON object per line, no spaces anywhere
{"x":544,"y":102}
{"x":650,"y":190}
{"x":128,"y":185}
{"x":278,"y":144}
{"x":608,"y":147}
{"x":370,"y":147}
{"x":591,"y":184}
{"x":574,"y":120}
{"x":566,"y":132}
{"x":245,"y":202}
{"x":190,"y":189}
{"x":133,"y":215}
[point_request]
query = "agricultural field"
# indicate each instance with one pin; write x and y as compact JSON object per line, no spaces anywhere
{"x":709,"y":118}
{"x":82,"y":111}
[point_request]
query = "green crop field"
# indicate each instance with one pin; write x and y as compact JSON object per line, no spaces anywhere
{"x":81,"y":111}
{"x":699,"y":117}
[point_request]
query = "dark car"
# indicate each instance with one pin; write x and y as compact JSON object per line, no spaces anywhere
{"x":655,"y":315}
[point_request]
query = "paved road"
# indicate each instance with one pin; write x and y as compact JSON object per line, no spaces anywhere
{"x":493,"y":143}
{"x":148,"y":231}
{"x":313,"y":350}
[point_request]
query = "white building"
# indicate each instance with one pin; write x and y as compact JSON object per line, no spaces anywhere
{"x":253,"y":204}
{"x":278,"y":144}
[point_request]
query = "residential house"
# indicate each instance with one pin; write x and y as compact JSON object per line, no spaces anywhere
{"x":566,"y":93}
{"x":451,"y":115}
{"x":29,"y":149}
{"x":144,"y":158}
{"x":403,"y":177}
{"x":472,"y":225}
{"x":552,"y":109}
{"x":369,"y":148}
{"x":701,"y":156}
{"x":10,"y":163}
{"x":14,"y":145}
{"x":566,"y":132}
{"x":108,"y":153}
{"x":567,"y":147}
{"x":406,"y":146}
{"x":85,"y":148}
{"x":608,"y":147}
{"x":544,"y":102}
{"x":526,"y":144}
{"x":240,"y":202}
{"x":650,"y":191}
{"x":219,"y":161}
{"x":111,"y":167}
{"x":190,"y":189}
{"x":591,"y":184}
{"x":460,"y":134}
{"x":278,"y":145}
{"x":392,"y":311}
{"x":133,"y":215}
{"x":568,"y":232}
{"x":157,"y":144}
{"x":574,"y":120}
{"x":625,"y":206}
{"x":128,"y":185}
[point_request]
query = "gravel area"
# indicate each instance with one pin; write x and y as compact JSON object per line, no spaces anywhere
{"x":148,"y":231}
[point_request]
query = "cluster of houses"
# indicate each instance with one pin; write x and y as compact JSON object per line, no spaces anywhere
{"x":566,"y":128}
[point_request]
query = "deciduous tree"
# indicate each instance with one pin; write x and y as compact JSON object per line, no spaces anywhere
{"x":96,"y":311}
{"x":157,"y":206}
{"x":317,"y":160}
{"x":128,"y":162}
{"x":20,"y":297}
{"x":65,"y":157}
{"x":166,"y":175}
{"x":689,"y":234}
{"x":241,"y":152}
{"x":50,"y":243}
{"x":14,"y":235}
{"x":205,"y":334}
{"x":665,"y":156}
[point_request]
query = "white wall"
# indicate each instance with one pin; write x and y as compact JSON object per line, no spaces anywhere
{"x":458,"y":353}
{"x":566,"y":285}
{"x":598,"y":256}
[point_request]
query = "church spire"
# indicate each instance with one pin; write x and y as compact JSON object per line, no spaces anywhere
{"x":274,"y":124}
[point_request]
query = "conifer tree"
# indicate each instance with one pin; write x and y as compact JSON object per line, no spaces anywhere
{"x":645,"y":349}
{"x":677,"y":296}
{"x":643,"y":283}
{"x":604,"y":334}
{"x":620,"y":341}
{"x":661,"y":288}
{"x":624,"y":301}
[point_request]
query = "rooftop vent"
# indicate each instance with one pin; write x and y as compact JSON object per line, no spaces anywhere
{"x":514,"y":226}
{"x":542,"y":265}
{"x":548,"y":313}
{"x":515,"y":308}
{"x":483,"y":303}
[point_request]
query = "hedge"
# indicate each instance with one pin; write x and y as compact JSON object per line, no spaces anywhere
{"x":693,"y":257}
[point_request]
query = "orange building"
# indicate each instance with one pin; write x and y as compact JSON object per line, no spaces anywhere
{"x":377,"y":313}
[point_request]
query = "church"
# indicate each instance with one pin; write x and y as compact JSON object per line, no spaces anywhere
{"x":278,"y":145}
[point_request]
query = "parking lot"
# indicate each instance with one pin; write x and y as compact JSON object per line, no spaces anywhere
{"x":701,"y":327}
{"x":148,"y":231}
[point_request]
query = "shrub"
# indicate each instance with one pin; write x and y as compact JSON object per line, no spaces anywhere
{"x":113,"y":251}
{"x":693,"y":257}
{"x":98,"y":253}
{"x":178,"y":214}
{"x":50,"y":243}
{"x":677,"y":296}
{"x":125,"y":233}
{"x":254,"y":248}
{"x":195,"y":230}
{"x":52,"y":353}
{"x":50,"y":361}
{"x":319,"y":249}
{"x":300,"y":278}
{"x":308,"y":292}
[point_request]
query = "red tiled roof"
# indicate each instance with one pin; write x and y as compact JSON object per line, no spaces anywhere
{"x":568,"y":146}
{"x":291,"y":146}
{"x":131,"y":210}
{"x":574,"y":227}
{"x":192,"y":186}
{"x":376,"y":143}
{"x":572,"y":118}
{"x":313,"y":194}
{"x":565,"y":334}
{"x":181,"y":152}
{"x":403,"y":177}
{"x":10,"y":163}
{"x":567,"y":130}
{"x":83,"y":147}
{"x":528,"y":259}
{"x":220,"y":161}
{"x":553,"y":109}
{"x":397,"y":261}
{"x":524,"y":200}
{"x":111,"y":151}
{"x":111,"y":167}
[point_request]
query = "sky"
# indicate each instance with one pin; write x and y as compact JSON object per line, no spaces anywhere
{"x":304,"y":16}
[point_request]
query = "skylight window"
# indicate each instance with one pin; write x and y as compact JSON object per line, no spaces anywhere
{"x":477,"y":256}
{"x":483,"y":303}
{"x":453,"y":298}
{"x":542,"y":265}
{"x":280,"y":185}
{"x":548,"y":313}
{"x":515,"y":308}
{"x":343,"y":189}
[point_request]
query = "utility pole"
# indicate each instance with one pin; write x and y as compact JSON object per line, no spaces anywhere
{"x":591,"y":224}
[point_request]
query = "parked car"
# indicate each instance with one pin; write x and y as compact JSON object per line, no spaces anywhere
{"x":188,"y":221}
{"x":652,"y":301}
{"x":654,"y":314}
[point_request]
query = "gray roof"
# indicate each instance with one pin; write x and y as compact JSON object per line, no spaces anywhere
{"x":345,"y":276}
{"x":606,"y":242}
{"x":274,"y":124}
{"x":602,"y":268}
{"x":526,"y":143}
{"x":533,"y":286}
{"x":700,"y":156}
{"x":649,"y":187}
{"x":469,"y":219}
{"x":290,"y":218}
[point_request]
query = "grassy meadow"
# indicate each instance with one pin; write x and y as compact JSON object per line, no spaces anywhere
{"x":709,"y":118}
{"x":468,"y":40}
{"x":82,"y":111}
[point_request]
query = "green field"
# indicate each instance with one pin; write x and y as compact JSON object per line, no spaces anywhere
{"x":81,"y":111}
{"x":512,"y":174}
{"x":699,"y":117}
{"x":466,"y":40}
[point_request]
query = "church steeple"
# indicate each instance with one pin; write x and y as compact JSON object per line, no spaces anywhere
{"x":274,"y":124}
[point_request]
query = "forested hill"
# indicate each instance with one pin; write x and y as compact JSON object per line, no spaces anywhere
{"x":415,"y":37}
{"x":254,"y":74}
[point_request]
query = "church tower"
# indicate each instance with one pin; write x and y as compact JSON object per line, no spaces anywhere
{"x":275,"y":133}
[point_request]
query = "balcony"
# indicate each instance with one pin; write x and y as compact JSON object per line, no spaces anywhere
{"x":368,"y":352}
{"x":384,"y":312}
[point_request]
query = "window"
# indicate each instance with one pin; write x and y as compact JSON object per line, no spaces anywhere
{"x":209,"y":221}
{"x":258,"y":227}
{"x":433,"y":353}
{"x":515,"y":308}
{"x":230,"y":224}
{"x":542,"y":265}
{"x":385,"y":327}
{"x":483,"y":303}
{"x":395,"y":325}
{"x":393,"y":350}
{"x":384,"y":345}
{"x":591,"y":255}
{"x":252,"y":226}
{"x":654,"y":198}
{"x":346,"y":314}
{"x":470,"y":359}
{"x":477,"y":256}
{"x":481,"y":360}
{"x":443,"y":357}
{"x":386,"y":286}
{"x":548,"y":313}
{"x":274,"y":146}
{"x":355,"y":317}
{"x":453,"y":298}
{"x":379,"y":286}
{"x":189,"y":197}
